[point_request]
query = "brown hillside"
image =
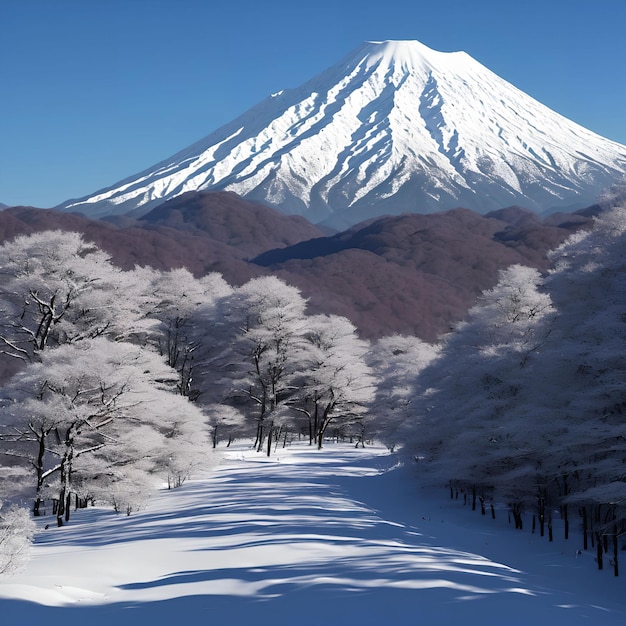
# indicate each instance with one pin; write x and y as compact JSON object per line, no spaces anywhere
{"x":412,"y":274}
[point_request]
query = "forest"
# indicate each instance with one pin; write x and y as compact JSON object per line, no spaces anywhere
{"x":117,"y":383}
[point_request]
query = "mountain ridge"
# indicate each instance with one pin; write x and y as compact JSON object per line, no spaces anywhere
{"x":410,"y":274}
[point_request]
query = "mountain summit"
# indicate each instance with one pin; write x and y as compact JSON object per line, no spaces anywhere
{"x":395,"y":127}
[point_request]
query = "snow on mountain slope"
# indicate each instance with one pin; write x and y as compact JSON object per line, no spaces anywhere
{"x":395,"y":127}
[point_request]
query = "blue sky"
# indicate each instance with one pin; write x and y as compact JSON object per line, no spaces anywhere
{"x":93,"y":91}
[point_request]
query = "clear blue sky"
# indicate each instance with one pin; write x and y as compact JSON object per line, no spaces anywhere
{"x":97,"y":90}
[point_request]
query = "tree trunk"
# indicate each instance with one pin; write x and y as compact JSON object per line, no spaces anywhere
{"x":61,"y":506}
{"x":37,"y":506}
{"x":258,"y":442}
{"x":615,"y":552}
{"x":65,"y":471}
{"x":550,"y":533}
{"x":316,"y":423}
{"x":41,"y":440}
{"x":599,"y":551}
{"x":564,"y":507}
{"x":278,"y":433}
{"x":269,"y":439}
{"x":516,"y":510}
{"x":324,"y":423}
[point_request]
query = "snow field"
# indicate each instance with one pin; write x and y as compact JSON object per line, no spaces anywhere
{"x":337,"y":536}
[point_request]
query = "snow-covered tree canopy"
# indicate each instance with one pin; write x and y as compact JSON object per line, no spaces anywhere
{"x":95,"y":405}
{"x":337,"y":383}
{"x":182,"y":304}
{"x":56,"y":288}
{"x":527,"y":399}
{"x":279,"y":364}
{"x":16,"y":533}
{"x":397,"y":362}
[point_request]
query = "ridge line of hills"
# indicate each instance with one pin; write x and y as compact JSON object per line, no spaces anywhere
{"x":408,"y":274}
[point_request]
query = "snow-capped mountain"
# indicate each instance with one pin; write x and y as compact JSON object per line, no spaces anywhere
{"x":395,"y":127}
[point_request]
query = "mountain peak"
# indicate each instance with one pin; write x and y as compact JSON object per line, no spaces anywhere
{"x":396,"y":127}
{"x":406,"y":57}
{"x":399,"y":49}
{"x":406,"y":52}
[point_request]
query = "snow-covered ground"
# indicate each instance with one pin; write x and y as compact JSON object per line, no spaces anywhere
{"x":307,"y":537}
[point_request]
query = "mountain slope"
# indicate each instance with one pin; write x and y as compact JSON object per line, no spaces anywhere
{"x":395,"y":127}
{"x":416,"y":274}
{"x":246,"y":227}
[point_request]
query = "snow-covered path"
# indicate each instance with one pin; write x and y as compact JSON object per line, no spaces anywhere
{"x":306,"y":537}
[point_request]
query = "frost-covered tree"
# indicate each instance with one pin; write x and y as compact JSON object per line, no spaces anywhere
{"x":484,"y":370}
{"x":183,"y":304}
{"x":94,"y":406}
{"x":614,"y":196}
{"x":16,"y":533}
{"x":56,"y":288}
{"x":336,"y":384}
{"x":222,"y":417}
{"x":258,"y":338}
{"x":528,"y":396}
{"x":585,"y":370}
{"x":187,"y":442}
{"x":397,"y":362}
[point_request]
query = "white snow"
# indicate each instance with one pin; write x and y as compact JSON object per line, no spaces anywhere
{"x":392,"y":114}
{"x":339,"y":536}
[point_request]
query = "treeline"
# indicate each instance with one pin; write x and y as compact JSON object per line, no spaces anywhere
{"x":525,"y":404}
{"x":125,"y":378}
